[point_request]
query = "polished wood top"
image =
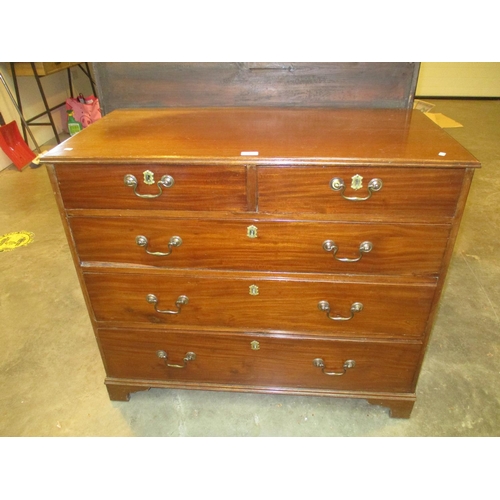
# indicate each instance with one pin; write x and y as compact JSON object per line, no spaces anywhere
{"x":280,"y":136}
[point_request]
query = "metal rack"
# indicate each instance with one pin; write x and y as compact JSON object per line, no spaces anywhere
{"x":39,"y":71}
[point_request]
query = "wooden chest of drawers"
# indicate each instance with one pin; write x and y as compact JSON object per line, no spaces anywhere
{"x":298,"y":251}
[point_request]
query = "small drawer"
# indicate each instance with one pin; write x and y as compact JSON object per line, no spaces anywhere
{"x":361,"y":193}
{"x":293,"y":303}
{"x":152,"y":187}
{"x":262,"y":245}
{"x":253,"y":360}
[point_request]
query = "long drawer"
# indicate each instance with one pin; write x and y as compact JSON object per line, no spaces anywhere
{"x":317,"y":305}
{"x":392,"y":193}
{"x":186,"y":188}
{"x":253,"y":244}
{"x":259,"y":360}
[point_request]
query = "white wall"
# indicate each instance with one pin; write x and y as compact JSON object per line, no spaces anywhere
{"x":459,"y":79}
{"x":56,"y":90}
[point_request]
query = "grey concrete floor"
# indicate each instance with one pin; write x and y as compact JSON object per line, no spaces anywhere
{"x":52,"y":378}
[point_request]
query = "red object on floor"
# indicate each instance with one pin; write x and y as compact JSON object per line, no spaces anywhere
{"x":14,"y":145}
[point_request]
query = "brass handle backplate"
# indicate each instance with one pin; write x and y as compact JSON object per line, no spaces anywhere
{"x":338,"y":184}
{"x":331,"y":246}
{"x":166,"y":181}
{"x":319,"y":363}
{"x":174,"y":242}
{"x":190,"y":356}
{"x":182,"y":300}
{"x":324,"y":306}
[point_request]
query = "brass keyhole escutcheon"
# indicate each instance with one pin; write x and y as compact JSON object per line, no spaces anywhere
{"x":255,"y":345}
{"x":253,"y":290}
{"x":149,"y":177}
{"x":252,"y":231}
{"x":357,"y":182}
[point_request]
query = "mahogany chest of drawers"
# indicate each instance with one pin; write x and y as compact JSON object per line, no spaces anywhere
{"x":298,"y":251}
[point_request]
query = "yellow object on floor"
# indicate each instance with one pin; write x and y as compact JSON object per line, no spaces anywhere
{"x":442,"y":120}
{"x":10,"y":241}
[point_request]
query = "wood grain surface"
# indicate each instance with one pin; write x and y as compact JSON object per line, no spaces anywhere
{"x":181,"y":84}
{"x":411,"y":193}
{"x":187,"y":136}
{"x":198,"y":188}
{"x":283,"y":246}
{"x":278,"y":362}
{"x":286,"y":303}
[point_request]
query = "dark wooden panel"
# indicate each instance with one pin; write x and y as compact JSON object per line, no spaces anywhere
{"x":195,"y":188}
{"x":285,"y":246}
{"x":332,"y":84}
{"x":283,"y":303}
{"x":278,"y":362}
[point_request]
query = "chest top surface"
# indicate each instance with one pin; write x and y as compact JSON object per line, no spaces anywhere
{"x":275,"y":136}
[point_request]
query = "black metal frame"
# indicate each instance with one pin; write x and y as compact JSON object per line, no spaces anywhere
{"x":48,"y":110}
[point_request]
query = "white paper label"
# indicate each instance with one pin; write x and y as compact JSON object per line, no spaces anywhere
{"x":249,"y":153}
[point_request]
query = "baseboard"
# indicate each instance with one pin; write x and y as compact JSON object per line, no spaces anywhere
{"x":458,"y":98}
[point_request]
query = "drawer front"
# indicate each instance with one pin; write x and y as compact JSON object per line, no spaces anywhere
{"x":279,"y":304}
{"x":262,"y":245}
{"x":193,"y":188}
{"x":259,"y":360}
{"x":406,"y":193}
